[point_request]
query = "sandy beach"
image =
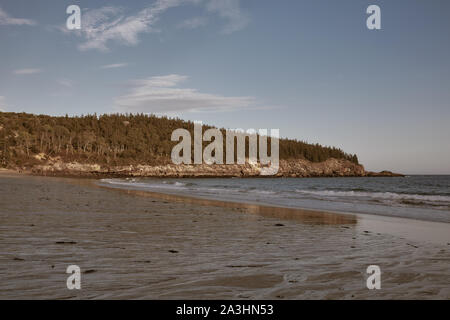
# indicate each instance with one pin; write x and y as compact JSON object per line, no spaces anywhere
{"x":138,"y":245}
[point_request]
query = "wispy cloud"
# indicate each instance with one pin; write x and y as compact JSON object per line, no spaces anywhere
{"x":65,"y":83}
{"x":161,"y":94}
{"x":114,"y":66}
{"x":231,"y":11}
{"x":193,"y":23}
{"x":109,"y":24}
{"x":106,"y":24}
{"x":26,"y":71}
{"x":6,"y":19}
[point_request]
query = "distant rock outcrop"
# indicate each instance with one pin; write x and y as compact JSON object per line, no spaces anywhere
{"x":383,"y":174}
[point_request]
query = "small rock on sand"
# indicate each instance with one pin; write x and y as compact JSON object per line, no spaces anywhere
{"x":65,"y":242}
{"x":90,"y":271}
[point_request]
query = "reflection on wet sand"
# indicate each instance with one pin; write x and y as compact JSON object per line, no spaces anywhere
{"x":299,"y":215}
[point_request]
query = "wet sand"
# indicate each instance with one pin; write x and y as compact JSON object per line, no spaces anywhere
{"x":147,"y":246}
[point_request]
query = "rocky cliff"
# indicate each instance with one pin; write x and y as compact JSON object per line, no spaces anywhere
{"x":288,"y":168}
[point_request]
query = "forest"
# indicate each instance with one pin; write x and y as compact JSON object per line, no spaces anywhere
{"x":114,"y":139}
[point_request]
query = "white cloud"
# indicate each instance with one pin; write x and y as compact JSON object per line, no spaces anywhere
{"x":193,"y":23}
{"x":26,"y":71}
{"x":114,"y":66}
{"x":162,"y":95}
{"x":6,"y":19}
{"x":231,"y":11}
{"x":101,"y":26}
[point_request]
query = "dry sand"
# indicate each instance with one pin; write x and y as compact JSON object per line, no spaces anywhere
{"x":154,"y":247}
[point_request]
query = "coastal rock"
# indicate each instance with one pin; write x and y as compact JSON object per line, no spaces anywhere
{"x":288,"y":168}
{"x":383,"y":174}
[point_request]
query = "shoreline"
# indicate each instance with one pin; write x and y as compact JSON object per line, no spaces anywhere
{"x":112,"y":175}
{"x":308,"y":216}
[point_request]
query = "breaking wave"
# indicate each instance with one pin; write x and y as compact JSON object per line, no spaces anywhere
{"x":377,"y":195}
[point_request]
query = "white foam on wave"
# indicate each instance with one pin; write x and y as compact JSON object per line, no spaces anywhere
{"x":258,"y":191}
{"x":377,"y":195}
{"x":133,"y":183}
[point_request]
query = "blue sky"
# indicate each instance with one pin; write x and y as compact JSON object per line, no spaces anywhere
{"x":310,"y":68}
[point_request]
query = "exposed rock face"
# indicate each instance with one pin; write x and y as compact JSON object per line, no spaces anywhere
{"x":328,"y":168}
{"x":288,"y":168}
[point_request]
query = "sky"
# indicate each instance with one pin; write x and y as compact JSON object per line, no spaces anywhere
{"x":310,"y":68}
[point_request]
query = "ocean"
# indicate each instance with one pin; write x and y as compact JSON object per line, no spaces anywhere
{"x":416,"y":197}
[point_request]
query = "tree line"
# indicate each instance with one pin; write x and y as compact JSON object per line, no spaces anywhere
{"x":114,"y":139}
